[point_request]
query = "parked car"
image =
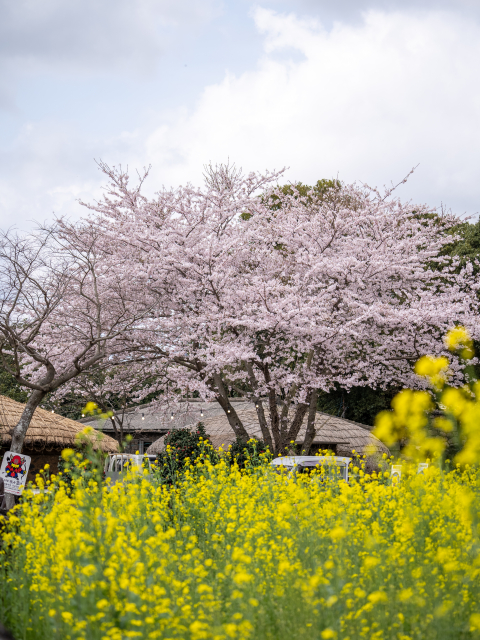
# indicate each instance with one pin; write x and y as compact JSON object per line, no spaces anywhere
{"x":334,"y":465}
{"x":117,"y":463}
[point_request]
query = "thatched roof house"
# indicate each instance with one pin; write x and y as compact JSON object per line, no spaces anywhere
{"x":338,"y":434}
{"x":47,"y":435}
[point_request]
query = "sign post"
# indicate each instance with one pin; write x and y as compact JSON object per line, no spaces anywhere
{"x":14,"y":472}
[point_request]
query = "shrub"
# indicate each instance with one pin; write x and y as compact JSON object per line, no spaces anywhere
{"x":247,"y":453}
{"x":183,"y":447}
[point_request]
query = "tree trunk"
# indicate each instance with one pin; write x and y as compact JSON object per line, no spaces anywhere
{"x":115,"y":430}
{"x":272,"y":405}
{"x":232,"y":417}
{"x":300,"y":412}
{"x":274,"y":420}
{"x":267,"y":438}
{"x":297,"y":422}
{"x":284,"y":415}
{"x":19,"y":433}
{"x":310,"y":432}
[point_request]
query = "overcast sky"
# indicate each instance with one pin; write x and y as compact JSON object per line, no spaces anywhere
{"x":363,"y":90}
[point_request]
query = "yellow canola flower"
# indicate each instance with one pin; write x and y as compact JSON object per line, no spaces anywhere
{"x":87,"y":431}
{"x":454,"y":401}
{"x":229,"y":553}
{"x":408,"y":404}
{"x":337,"y":533}
{"x":242,"y":577}
{"x":67,"y":454}
{"x":90,"y":408}
{"x":430,"y":366}
{"x":443,"y":424}
{"x":458,"y":339}
{"x":378,"y":596}
{"x":406,"y":594}
{"x":407,"y":421}
{"x":370,"y":562}
{"x":435,"y":369}
{"x":475,"y":622}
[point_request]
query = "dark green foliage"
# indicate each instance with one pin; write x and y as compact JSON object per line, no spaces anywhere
{"x":241,"y":452}
{"x":84,"y":462}
{"x":186,"y":443}
{"x":359,"y":404}
{"x":467,"y":248}
{"x":322,"y":190}
{"x":182,"y":445}
{"x":65,"y":468}
{"x":70,"y":406}
{"x":9,"y":387}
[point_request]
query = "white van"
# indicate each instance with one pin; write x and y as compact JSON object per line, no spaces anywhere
{"x":117,"y":463}
{"x":304,"y":464}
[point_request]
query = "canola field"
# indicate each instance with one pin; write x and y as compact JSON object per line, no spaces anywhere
{"x":229,"y":554}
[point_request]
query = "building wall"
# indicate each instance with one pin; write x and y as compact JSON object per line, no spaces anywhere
{"x":40,"y":459}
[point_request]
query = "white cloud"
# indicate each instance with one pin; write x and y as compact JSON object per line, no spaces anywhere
{"x":368,"y":101}
{"x":92,"y":35}
{"x":352,"y":10}
{"x":68,"y":71}
{"x":46,"y":168}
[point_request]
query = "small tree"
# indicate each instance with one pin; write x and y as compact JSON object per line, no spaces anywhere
{"x":63,"y":311}
{"x":114,"y":388}
{"x":244,"y":453}
{"x":182,"y":445}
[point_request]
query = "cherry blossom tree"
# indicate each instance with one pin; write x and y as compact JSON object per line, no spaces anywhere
{"x":115,"y":386}
{"x":64,"y":309}
{"x":274,"y":294}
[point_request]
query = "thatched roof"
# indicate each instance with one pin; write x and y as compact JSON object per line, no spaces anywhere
{"x":330,"y":430}
{"x":47,"y":430}
{"x":151,"y":419}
